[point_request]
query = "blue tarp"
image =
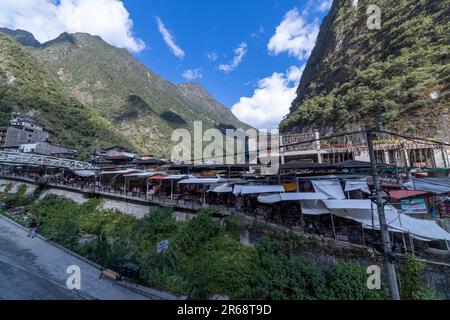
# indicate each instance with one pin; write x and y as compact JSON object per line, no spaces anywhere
{"x":433,"y":185}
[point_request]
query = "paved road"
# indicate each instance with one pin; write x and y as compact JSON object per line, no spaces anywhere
{"x":32,"y":269}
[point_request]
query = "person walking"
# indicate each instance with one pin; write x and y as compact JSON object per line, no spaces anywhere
{"x":33,"y":225}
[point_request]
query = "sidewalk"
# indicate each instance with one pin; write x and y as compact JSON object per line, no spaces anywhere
{"x":45,"y":266}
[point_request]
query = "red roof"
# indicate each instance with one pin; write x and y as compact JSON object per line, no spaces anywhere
{"x":403,"y":194}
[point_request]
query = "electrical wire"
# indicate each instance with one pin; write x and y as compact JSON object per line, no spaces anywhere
{"x":410,"y":138}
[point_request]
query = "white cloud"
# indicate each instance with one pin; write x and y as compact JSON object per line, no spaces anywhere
{"x":325,"y":5}
{"x":192,"y":74}
{"x":212,"y":56}
{"x":271,"y":101}
{"x":294,"y":36}
{"x":47,"y":19}
{"x":169,"y":39}
{"x":239,"y":54}
{"x":294,"y":74}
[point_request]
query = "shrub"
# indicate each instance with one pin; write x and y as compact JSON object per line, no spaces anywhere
{"x":274,"y":276}
{"x":348,"y":281}
{"x":411,"y":284}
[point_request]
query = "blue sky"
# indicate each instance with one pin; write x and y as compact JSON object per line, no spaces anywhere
{"x":247,"y":54}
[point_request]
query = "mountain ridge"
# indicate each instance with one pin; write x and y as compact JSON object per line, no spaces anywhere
{"x":26,"y":87}
{"x":140,"y":103}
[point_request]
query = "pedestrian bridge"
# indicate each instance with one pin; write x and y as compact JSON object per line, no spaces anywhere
{"x":20,"y":158}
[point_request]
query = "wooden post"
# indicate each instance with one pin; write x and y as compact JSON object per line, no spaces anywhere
{"x":334,"y":229}
{"x":404,"y":243}
{"x":302,"y":220}
{"x":204,"y":194}
{"x":411,"y":241}
{"x":364,"y":238}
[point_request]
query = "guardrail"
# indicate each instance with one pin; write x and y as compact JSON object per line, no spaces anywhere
{"x":126,"y":195}
{"x":8,"y":157}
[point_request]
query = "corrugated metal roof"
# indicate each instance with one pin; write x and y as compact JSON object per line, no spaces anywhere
{"x":403,"y":194}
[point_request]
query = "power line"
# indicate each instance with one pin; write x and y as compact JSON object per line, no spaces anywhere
{"x":411,"y":138}
{"x":322,"y":139}
{"x":360,"y":132}
{"x":287,"y":145}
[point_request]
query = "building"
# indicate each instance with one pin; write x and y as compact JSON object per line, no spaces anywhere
{"x":397,"y":152}
{"x":21,"y":130}
{"x":113,"y":157}
{"x":47,"y":149}
{"x":150,"y":163}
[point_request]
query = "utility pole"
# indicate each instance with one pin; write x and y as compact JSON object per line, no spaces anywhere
{"x":383,"y":225}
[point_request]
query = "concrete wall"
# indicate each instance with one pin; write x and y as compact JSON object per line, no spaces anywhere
{"x":137,"y":210}
{"x":15,"y":185}
{"x":75,"y":196}
{"x":15,"y":137}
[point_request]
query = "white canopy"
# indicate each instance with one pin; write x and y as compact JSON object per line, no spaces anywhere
{"x":178,"y":177}
{"x":434,"y":185}
{"x":271,"y":199}
{"x":357,"y":184}
{"x":332,"y":188}
{"x":129,"y":171}
{"x":223,"y":188}
{"x":246,"y":190}
{"x":141,"y":175}
{"x":84,"y":173}
{"x":237,"y":189}
{"x":206,"y":181}
{"x":365,"y":212}
{"x":314,"y":208}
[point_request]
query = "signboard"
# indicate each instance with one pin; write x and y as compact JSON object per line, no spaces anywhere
{"x":414,"y":206}
{"x":162,"y":246}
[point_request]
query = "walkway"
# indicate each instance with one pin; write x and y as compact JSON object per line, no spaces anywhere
{"x":34,"y":269}
{"x":140,"y":198}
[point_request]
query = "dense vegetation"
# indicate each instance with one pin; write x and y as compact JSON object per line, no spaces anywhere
{"x":412,"y":286}
{"x":357,"y":76}
{"x":25,"y":86}
{"x":205,"y":257}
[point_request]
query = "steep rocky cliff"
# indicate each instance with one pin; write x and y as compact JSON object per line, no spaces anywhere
{"x":357,"y":76}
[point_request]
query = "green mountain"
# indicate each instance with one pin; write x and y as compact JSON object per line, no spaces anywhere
{"x":25,"y":38}
{"x":132,"y":98}
{"x":356,"y":76}
{"x":27,"y":87}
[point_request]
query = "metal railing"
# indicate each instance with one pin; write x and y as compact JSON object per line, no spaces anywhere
{"x":20,"y":158}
